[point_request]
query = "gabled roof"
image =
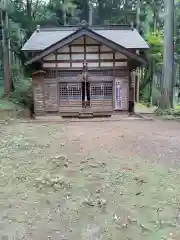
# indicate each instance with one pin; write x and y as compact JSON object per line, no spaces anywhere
{"x":104,"y":38}
{"x":122,"y":35}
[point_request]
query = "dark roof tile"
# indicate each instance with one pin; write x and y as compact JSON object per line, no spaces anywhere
{"x":126,"y":37}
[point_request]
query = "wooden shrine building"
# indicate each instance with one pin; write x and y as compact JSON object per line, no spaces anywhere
{"x":84,"y":69}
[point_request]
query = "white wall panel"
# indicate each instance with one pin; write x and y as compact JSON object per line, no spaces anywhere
{"x":106,"y":56}
{"x":77,"y":49}
{"x":63,"y":57}
{"x":93,"y":64}
{"x":77,"y":65}
{"x":78,"y":41}
{"x":106,"y":64}
{"x":49,"y":65}
{"x":92,"y":48}
{"x":79,"y":56}
{"x":64,"y":49}
{"x":92,"y":56}
{"x":63,"y":65}
{"x":120,"y":64}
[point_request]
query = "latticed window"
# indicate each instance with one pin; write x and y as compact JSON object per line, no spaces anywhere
{"x":70,"y":91}
{"x":50,"y":74}
{"x":101,"y":91}
{"x":101,"y":73}
{"x":60,"y":73}
{"x":63,"y":90}
{"x":108,"y":90}
{"x":68,"y":73}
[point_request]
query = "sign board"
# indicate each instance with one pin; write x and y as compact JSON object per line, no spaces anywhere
{"x":3,"y":4}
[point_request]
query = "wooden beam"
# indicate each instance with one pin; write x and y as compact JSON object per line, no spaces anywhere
{"x":114,"y":77}
{"x":88,"y":45}
{"x":131,"y":92}
{"x":123,"y":69}
{"x":70,"y":53}
{"x":56,"y":62}
{"x":80,"y":60}
{"x":76,"y":79}
{"x":84,"y":47}
{"x":99,"y":55}
{"x":78,"y":52}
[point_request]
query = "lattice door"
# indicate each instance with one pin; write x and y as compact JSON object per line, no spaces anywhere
{"x":70,"y":94}
{"x":101,"y":94}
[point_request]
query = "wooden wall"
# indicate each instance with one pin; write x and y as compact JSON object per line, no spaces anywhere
{"x":48,"y":95}
{"x":106,"y":67}
{"x":84,"y":48}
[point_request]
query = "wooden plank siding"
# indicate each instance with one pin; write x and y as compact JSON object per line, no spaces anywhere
{"x":51,"y":97}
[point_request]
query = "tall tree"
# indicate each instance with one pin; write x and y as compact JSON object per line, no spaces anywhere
{"x":8,"y":86}
{"x":168,"y":82}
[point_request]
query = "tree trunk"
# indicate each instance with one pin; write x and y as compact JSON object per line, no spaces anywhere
{"x":100,"y":12}
{"x":168,"y":80}
{"x":138,"y":14}
{"x":90,"y":14}
{"x":64,"y":16}
{"x":8,"y":84}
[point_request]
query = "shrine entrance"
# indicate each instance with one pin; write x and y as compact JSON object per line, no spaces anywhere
{"x":85,"y":86}
{"x":85,"y":94}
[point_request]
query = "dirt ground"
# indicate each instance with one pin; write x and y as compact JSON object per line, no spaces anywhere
{"x":90,"y":180}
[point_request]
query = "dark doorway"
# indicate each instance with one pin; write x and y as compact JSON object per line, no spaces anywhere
{"x":85,"y":92}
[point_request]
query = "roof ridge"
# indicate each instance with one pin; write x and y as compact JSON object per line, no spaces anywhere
{"x":57,"y":29}
{"x":93,"y":27}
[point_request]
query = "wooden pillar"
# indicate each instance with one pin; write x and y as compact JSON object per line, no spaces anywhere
{"x":38,"y":92}
{"x":137,"y":86}
{"x":132,"y":76}
{"x":114,"y":81}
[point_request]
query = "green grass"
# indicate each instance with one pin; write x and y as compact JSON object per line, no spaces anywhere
{"x":140,"y":105}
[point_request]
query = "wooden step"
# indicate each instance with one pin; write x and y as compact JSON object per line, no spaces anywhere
{"x":86,"y":115}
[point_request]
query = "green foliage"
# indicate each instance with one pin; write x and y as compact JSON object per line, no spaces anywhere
{"x":155,"y":62}
{"x":155,"y":40}
{"x":23,"y":93}
{"x":26,"y":14}
{"x":155,"y":95}
{"x":172,"y":112}
{"x":7,"y":105}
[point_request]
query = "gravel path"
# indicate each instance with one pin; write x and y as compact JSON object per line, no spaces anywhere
{"x":89,"y":180}
{"x":157,"y":141}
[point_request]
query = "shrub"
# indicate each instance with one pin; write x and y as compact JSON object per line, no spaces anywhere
{"x":168,"y":112}
{"x":23,"y":94}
